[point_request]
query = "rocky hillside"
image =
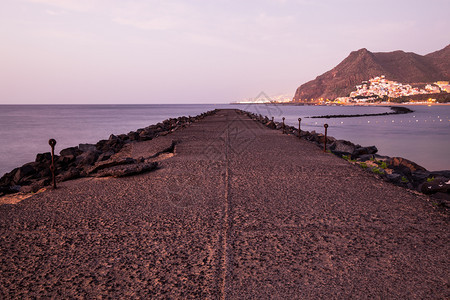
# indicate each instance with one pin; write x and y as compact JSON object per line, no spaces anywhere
{"x":361,"y":65}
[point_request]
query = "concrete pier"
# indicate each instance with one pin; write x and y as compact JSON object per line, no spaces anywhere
{"x":237,"y":211}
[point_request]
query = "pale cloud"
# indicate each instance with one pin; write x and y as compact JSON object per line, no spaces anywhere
{"x":73,"y":37}
{"x":375,"y":30}
{"x":54,"y":13}
{"x":74,"y":5}
{"x":153,"y":15}
{"x":146,"y":15}
{"x":161,"y":23}
{"x":218,"y":42}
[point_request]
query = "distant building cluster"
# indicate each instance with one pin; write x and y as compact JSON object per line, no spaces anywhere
{"x":380,"y":87}
{"x":282,"y":98}
{"x":263,"y":98}
{"x":443,"y":85}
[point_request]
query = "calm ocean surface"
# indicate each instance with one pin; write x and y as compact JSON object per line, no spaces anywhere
{"x":423,"y":136}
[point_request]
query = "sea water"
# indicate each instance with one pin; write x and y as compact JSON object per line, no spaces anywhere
{"x":422,"y":136}
{"x":26,"y":129}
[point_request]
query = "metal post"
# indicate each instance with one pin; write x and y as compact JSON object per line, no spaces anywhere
{"x":272,"y":119}
{"x":52,"y":144}
{"x":299,"y":130}
{"x":284,"y":127}
{"x":325,"y":141}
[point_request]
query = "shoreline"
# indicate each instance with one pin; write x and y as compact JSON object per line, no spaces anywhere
{"x":401,"y":104}
{"x":387,"y":104}
{"x":90,"y":160}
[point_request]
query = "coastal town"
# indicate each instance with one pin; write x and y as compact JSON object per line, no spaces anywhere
{"x":378,"y":89}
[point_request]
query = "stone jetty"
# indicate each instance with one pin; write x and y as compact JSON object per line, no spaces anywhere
{"x":225,"y":208}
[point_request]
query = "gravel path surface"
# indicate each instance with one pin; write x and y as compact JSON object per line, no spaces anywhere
{"x":237,"y":211}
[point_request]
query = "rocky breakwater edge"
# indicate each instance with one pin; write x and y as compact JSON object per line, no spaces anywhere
{"x":395,"y":110}
{"x":93,"y":160}
{"x":396,"y":170}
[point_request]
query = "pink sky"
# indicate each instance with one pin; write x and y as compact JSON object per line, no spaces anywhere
{"x":114,"y":51}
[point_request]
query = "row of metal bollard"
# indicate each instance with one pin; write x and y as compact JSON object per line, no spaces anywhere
{"x":52,"y":143}
{"x":299,"y":131}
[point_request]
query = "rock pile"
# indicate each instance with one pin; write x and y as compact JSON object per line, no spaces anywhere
{"x":397,"y":170}
{"x":91,"y":159}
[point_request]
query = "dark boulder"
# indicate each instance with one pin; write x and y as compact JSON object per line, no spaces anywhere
{"x":438,"y":185}
{"x":87,"y":158}
{"x":366,"y":157}
{"x":146,"y":135}
{"x":72,"y":173}
{"x":444,"y":173}
{"x":4,"y":190}
{"x":86,"y":147}
{"x":123,"y":137}
{"x":419,"y":176}
{"x":71,"y":152}
{"x":304,"y":134}
{"x":133,"y":136}
{"x":160,"y":127}
{"x":67,"y":156}
{"x":7,"y":179}
{"x":64,"y":161}
{"x":403,"y":170}
{"x":340,"y":153}
{"x":105,"y":156}
{"x":44,"y":171}
{"x":43,"y":157}
{"x":400,"y":161}
{"x":271,"y":125}
{"x":24,"y":172}
{"x":342,"y":146}
{"x":330,"y":140}
{"x":394,"y":177}
{"x":112,"y":144}
{"x":364,"y":151}
{"x":318,"y":138}
{"x":102,"y":145}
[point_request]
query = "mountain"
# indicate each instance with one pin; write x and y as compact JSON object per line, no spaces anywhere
{"x":361,"y":65}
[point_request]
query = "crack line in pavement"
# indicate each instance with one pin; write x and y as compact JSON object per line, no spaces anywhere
{"x":226,"y":221}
